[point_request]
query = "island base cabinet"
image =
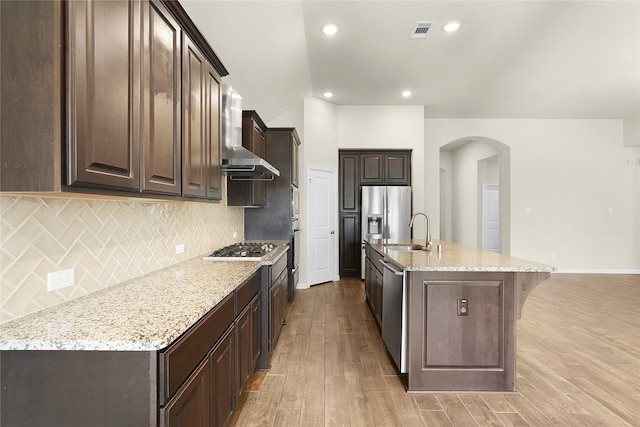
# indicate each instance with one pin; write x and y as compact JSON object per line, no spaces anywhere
{"x":456,"y":348}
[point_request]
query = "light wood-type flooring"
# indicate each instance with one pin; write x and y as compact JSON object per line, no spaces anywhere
{"x":578,"y":364}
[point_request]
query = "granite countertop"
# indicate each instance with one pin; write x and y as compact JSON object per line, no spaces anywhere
{"x":143,"y":314}
{"x":455,"y":257}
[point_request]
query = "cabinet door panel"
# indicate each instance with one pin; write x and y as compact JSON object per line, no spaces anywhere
{"x":193,"y":125}
{"x":245,"y":350}
{"x":213,"y":135}
{"x":259,"y":187}
{"x":162,"y":104}
{"x":191,"y":407}
{"x":256,"y":319}
{"x":295,"y":153}
{"x":371,"y":168}
{"x":223,"y":379}
{"x":397,"y":168}
{"x":473,"y":340}
{"x":350,"y":247}
{"x":104,"y":94}
{"x":349,"y":183}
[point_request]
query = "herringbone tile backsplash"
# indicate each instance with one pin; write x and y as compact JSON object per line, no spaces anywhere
{"x":105,"y":241}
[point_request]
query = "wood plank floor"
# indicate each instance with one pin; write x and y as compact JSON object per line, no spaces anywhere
{"x":578,"y":364}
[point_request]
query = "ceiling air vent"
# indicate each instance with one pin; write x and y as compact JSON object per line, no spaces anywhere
{"x":421,"y":29}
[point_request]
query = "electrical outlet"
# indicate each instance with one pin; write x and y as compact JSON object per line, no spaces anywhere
{"x":463,"y":307}
{"x":180,"y":248}
{"x":60,"y":279}
{"x":234,"y":234}
{"x":554,"y":255}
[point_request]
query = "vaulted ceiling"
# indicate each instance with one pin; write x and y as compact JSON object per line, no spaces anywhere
{"x":509,"y":59}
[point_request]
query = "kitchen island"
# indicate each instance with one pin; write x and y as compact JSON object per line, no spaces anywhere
{"x":457,"y":310}
{"x":173,"y":347}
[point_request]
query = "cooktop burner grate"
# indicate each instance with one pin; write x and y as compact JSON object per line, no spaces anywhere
{"x":243,"y":250}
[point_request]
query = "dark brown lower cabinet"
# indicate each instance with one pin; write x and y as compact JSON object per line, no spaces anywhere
{"x":249,"y":336}
{"x":191,"y":406}
{"x":350,"y":246}
{"x":278,"y":306}
{"x":373,"y":283}
{"x":378,"y":295}
{"x":195,"y":381}
{"x":223,"y":380}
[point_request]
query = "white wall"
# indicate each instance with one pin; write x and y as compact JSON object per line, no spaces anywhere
{"x":569,"y":173}
{"x":464,"y":181}
{"x":395,"y":127}
{"x":329,"y":127}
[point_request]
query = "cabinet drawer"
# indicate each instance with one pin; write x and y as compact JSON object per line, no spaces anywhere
{"x":182,"y":357}
{"x":247,"y":291}
{"x":375,"y":258}
{"x":278,"y":267}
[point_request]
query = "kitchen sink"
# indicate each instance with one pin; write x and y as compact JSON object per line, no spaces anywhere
{"x":403,"y":247}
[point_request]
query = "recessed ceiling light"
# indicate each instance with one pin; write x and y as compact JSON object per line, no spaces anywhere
{"x":406,"y":93}
{"x":329,"y":29}
{"x":451,"y":26}
{"x":328,"y":94}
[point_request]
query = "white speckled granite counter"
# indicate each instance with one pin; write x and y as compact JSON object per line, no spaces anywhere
{"x":142,"y":314}
{"x":455,"y":257}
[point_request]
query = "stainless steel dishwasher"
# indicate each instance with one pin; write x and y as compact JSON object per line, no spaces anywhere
{"x":394,"y":314}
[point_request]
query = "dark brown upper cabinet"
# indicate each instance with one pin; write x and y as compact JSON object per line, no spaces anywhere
{"x":161,"y":97}
{"x":115,"y":69}
{"x":104,"y":94}
{"x":385,"y":168}
{"x":252,"y":191}
{"x":349,"y":183}
{"x":201,"y":149}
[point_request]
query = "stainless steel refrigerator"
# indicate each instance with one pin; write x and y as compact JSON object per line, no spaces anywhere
{"x":386,"y":212}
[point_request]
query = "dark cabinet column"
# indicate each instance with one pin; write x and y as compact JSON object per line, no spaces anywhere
{"x":349,"y":214}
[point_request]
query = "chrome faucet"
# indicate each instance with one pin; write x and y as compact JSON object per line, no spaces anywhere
{"x":427,"y":246}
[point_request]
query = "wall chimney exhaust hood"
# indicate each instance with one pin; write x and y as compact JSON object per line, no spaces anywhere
{"x":237,"y":161}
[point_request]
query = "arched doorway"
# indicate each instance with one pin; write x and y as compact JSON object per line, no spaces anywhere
{"x":475,"y":179}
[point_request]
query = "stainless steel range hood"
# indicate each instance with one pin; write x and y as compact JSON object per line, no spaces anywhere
{"x":237,"y":161}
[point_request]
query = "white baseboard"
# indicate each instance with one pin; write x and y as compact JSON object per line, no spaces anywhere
{"x":597,"y":271}
{"x":302,"y":286}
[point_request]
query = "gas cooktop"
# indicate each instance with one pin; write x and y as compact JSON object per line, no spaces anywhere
{"x":243,"y":251}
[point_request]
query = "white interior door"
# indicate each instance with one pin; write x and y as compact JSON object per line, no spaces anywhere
{"x":491,"y":217}
{"x":322,"y":251}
